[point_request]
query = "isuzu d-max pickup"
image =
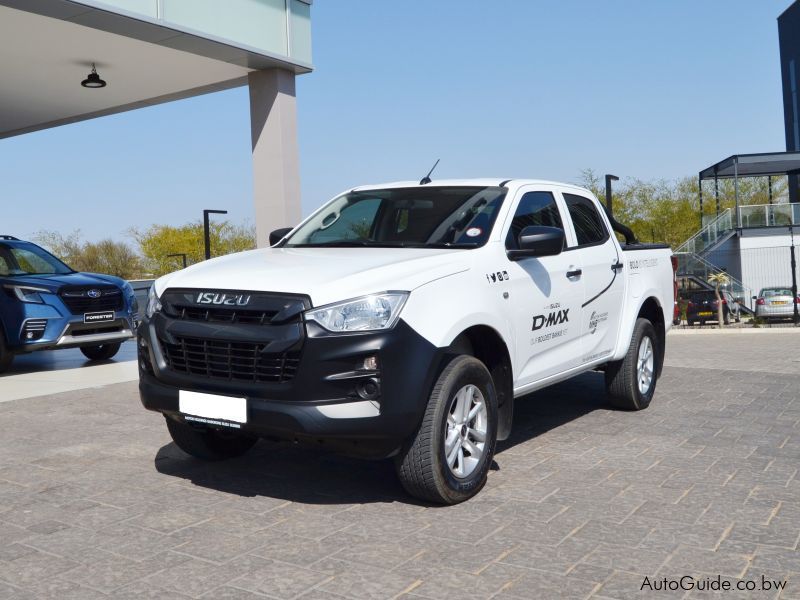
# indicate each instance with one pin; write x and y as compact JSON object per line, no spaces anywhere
{"x":404,"y":321}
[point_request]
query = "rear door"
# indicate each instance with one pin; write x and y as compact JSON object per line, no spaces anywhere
{"x":544,"y":293}
{"x":603,"y":281}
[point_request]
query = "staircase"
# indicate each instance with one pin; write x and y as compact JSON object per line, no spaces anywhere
{"x":692,"y":265}
{"x":710,"y":236}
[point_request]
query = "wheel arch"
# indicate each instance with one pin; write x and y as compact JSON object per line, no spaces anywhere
{"x":652,"y":310}
{"x":488,"y":346}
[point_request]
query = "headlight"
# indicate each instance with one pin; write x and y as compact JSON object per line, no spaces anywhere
{"x":369,"y":313}
{"x":153,"y":303}
{"x":28,"y":294}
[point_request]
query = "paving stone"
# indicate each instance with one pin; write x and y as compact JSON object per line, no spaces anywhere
{"x":623,"y":558}
{"x":276,"y":579}
{"x":586,"y":500}
{"x":687,"y":559}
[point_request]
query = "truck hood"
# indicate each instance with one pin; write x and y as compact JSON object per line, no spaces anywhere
{"x":325,"y":274}
{"x":53,"y":283}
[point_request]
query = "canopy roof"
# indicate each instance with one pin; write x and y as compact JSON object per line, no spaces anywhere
{"x":754,"y":165}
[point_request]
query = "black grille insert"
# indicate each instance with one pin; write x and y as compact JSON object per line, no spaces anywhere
{"x":223,"y":315}
{"x":232,"y":361}
{"x":92,"y":299}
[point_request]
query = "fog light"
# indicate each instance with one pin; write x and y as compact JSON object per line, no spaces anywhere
{"x":371,"y":363}
{"x":369,"y":389}
{"x":33,"y":329}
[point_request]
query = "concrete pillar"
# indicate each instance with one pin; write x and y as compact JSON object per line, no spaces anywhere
{"x":276,"y":171}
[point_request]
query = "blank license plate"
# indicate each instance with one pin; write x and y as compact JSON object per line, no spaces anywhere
{"x":212,"y":406}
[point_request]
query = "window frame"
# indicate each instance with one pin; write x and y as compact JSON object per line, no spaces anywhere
{"x":519,"y":194}
{"x":607,"y":229}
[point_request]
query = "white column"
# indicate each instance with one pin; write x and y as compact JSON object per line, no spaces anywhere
{"x":276,"y":171}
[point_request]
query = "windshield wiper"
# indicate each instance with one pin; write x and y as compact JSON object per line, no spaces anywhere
{"x":337,"y":244}
{"x":372,"y":244}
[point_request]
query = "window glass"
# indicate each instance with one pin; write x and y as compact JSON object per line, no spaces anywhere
{"x":589,"y":227}
{"x":418,"y":217}
{"x":22,"y":258}
{"x":353,"y":222}
{"x":535,"y":208}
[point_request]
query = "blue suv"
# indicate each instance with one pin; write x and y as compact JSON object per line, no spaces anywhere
{"x":45,"y":305}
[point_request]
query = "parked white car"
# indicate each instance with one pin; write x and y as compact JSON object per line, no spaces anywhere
{"x":404,"y":321}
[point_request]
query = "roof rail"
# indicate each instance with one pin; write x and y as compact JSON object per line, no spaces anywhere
{"x":8,"y":237}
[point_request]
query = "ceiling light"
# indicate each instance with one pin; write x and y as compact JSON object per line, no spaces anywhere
{"x":93,"y":80}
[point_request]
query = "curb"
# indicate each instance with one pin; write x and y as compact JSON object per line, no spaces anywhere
{"x":749,"y":330}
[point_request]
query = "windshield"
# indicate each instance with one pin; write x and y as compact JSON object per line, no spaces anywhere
{"x":419,"y":217}
{"x":769,"y":292}
{"x":24,"y":258}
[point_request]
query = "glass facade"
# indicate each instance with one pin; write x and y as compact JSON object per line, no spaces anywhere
{"x":279,"y":27}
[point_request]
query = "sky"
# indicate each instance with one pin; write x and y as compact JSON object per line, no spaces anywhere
{"x":493,"y":88}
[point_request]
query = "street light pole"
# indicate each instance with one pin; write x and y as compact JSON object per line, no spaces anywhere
{"x":179,"y":255}
{"x":206,"y":232}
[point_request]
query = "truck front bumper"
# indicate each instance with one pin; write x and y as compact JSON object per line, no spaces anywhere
{"x":325,"y":401}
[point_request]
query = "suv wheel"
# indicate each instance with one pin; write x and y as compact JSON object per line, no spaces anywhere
{"x":448,"y":458}
{"x":631,"y":382}
{"x":209,"y":444}
{"x":103,"y":352}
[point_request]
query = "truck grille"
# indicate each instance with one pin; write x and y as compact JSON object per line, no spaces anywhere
{"x":232,"y":361}
{"x":224,"y":315}
{"x":79,"y":301}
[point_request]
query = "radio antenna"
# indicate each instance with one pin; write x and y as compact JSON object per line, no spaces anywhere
{"x":427,"y":179}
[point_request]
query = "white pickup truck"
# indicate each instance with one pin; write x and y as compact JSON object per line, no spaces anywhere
{"x":404,"y":321}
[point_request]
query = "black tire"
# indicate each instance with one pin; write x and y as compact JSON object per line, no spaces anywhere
{"x":103,"y":352}
{"x":622,"y":381}
{"x":422,"y":465}
{"x":209,"y":444}
{"x":6,"y":356}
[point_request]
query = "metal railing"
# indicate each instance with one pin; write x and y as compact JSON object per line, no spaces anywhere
{"x":769,"y":215}
{"x":692,"y":265}
{"x":708,"y":235}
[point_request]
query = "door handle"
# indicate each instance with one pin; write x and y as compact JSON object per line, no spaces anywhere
{"x":617,"y":266}
{"x":575,"y":273}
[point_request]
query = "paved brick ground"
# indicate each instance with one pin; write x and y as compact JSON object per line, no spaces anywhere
{"x":584,"y":501}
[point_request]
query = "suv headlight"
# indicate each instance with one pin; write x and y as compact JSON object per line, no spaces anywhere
{"x":368,"y":313}
{"x":153,"y":302}
{"x":27,"y":293}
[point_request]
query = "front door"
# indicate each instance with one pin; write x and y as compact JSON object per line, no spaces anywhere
{"x":545,"y":295}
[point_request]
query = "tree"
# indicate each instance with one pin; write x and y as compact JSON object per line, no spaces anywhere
{"x":669,"y":211}
{"x":719,"y":280}
{"x":107,"y":256}
{"x":157,"y":242}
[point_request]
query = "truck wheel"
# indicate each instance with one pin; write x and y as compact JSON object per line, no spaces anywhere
{"x":631,"y":382}
{"x":209,"y":444}
{"x":103,"y":352}
{"x":448,"y":458}
{"x":6,"y":356}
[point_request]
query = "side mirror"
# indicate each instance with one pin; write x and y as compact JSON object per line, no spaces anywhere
{"x":277,"y":235}
{"x":755,"y":297}
{"x":537,"y":240}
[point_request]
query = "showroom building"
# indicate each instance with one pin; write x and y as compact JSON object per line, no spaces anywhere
{"x":67,"y":61}
{"x":789,"y":36}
